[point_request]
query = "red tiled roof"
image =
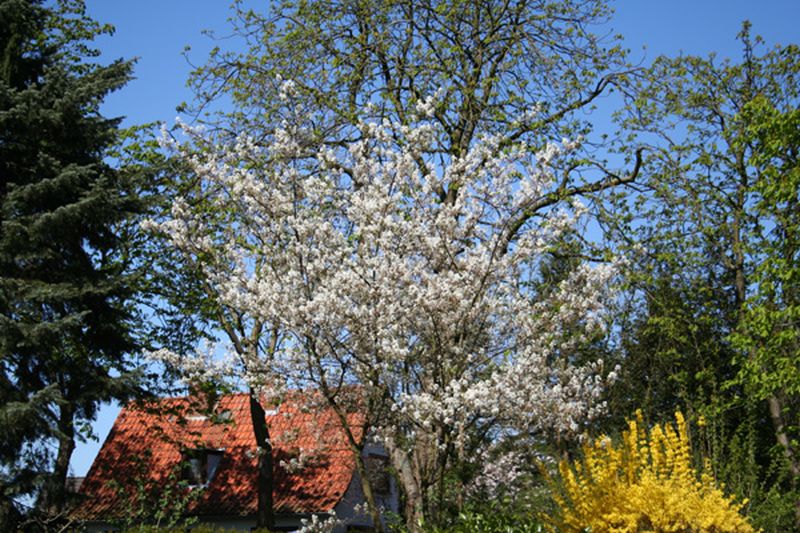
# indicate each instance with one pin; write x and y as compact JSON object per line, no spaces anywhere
{"x":144,"y":448}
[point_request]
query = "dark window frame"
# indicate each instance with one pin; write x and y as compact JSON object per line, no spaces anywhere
{"x":200,"y":465}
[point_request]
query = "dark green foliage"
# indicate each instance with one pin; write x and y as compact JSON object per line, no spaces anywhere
{"x":65,"y":319}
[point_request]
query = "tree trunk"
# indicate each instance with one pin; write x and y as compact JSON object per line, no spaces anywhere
{"x":54,"y":494}
{"x":265,"y":515}
{"x":781,"y":435}
{"x":356,"y":448}
{"x":740,"y":285}
{"x":366,"y":487}
{"x":413,"y":509}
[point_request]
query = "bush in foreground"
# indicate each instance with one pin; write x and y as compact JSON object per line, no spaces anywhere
{"x":646,"y":483}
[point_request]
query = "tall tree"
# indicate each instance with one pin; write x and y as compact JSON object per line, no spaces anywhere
{"x":65,"y":320}
{"x":709,"y":253}
{"x":770,"y":329}
{"x":526,"y":71}
{"x":429,"y":309}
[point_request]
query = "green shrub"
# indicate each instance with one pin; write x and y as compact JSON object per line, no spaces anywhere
{"x":492,"y":522}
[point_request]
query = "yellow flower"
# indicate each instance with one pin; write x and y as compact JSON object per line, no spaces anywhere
{"x":647,"y":483}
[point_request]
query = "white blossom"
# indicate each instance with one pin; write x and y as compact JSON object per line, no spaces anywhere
{"x":410,"y":280}
{"x":317,"y":525}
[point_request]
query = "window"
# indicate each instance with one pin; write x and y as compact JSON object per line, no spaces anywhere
{"x":199,"y":466}
{"x":378,"y":473}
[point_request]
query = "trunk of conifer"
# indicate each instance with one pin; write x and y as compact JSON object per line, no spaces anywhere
{"x":55,"y":490}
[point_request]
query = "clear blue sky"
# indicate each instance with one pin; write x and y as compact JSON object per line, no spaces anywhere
{"x":156,"y":31}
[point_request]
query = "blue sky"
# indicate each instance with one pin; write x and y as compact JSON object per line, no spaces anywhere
{"x":156,"y":32}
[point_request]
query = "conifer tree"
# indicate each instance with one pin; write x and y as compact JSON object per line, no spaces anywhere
{"x":65,"y":318}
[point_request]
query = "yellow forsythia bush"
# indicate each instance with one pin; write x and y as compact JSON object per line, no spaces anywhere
{"x":646,"y":483}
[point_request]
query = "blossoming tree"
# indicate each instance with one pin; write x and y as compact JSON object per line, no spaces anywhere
{"x":423,"y":233}
{"x":400,"y":280}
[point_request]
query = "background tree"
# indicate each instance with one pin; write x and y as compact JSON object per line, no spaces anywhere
{"x":170,"y":299}
{"x":66,"y":320}
{"x":770,"y":329}
{"x":700,"y":236}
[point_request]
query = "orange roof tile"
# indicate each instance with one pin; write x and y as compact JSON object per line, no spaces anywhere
{"x":142,"y":456}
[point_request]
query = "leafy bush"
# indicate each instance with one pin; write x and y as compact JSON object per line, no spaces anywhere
{"x":646,"y":483}
{"x":489,"y":522}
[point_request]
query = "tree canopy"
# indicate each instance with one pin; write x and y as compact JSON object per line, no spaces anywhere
{"x":440,"y":114}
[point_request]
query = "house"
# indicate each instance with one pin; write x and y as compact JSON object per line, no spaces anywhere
{"x":172,"y":457}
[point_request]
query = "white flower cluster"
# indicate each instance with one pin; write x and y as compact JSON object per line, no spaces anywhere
{"x":317,"y":525}
{"x":404,"y":273}
{"x":499,"y":476}
{"x":207,"y":364}
{"x":303,"y":459}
